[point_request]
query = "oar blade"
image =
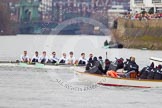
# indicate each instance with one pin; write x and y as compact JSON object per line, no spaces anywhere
{"x":23,"y":64}
{"x":39,"y":65}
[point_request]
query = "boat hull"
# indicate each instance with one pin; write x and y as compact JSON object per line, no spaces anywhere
{"x":50,"y":66}
{"x":120,"y":82}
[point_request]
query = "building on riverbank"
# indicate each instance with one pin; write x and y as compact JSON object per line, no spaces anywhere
{"x":39,"y":15}
{"x":140,"y":5}
{"x":139,"y":33}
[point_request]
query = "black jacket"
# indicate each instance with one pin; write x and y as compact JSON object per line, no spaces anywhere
{"x":94,"y":68}
{"x":132,"y":66}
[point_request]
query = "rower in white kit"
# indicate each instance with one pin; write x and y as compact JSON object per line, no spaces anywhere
{"x":53,"y":58}
{"x":63,"y":59}
{"x":25,"y":58}
{"x":35,"y":57}
{"x":82,"y":59}
{"x":44,"y":58}
{"x":71,"y":58}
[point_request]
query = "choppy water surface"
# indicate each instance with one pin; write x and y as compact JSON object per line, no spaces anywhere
{"x":38,"y":88}
{"x":45,"y":88}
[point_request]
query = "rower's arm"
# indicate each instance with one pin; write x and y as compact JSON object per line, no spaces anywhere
{"x":21,"y":58}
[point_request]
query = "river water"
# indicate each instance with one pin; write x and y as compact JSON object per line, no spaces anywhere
{"x":45,"y":88}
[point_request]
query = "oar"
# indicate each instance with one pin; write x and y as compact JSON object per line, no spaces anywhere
{"x":23,"y":64}
{"x":9,"y":61}
{"x":39,"y":65}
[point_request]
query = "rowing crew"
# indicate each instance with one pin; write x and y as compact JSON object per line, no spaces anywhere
{"x":53,"y":59}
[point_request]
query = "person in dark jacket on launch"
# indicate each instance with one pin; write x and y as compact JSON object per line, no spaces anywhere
{"x":94,"y":67}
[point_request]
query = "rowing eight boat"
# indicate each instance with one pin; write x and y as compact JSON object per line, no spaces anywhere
{"x":37,"y":65}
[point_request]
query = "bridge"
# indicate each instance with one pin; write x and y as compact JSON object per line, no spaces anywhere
{"x":32,"y":13}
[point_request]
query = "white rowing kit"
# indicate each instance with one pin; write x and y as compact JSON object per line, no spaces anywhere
{"x":24,"y":58}
{"x":35,"y":57}
{"x":63,"y":59}
{"x":71,"y":60}
{"x":43,"y":58}
{"x":53,"y":58}
{"x":83,"y":59}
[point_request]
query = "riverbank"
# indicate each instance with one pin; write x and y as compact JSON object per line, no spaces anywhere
{"x":139,"y":34}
